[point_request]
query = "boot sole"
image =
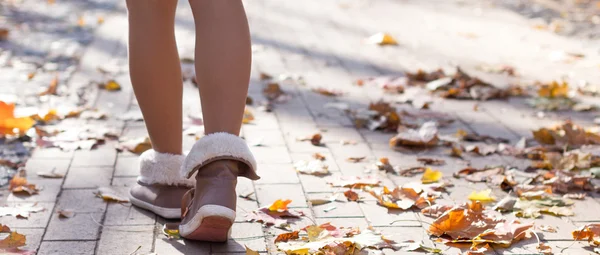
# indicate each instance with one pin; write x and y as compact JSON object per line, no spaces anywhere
{"x":212,"y":223}
{"x":167,"y":213}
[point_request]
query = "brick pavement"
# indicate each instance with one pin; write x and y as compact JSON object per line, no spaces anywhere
{"x":322,"y":41}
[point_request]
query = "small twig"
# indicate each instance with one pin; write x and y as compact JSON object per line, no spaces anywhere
{"x":138,"y":248}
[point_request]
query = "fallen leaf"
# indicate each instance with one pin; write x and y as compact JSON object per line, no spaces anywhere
{"x":547,"y":228}
{"x":65,"y":213}
{"x":422,"y":247}
{"x":435,"y":211}
{"x":324,"y":243}
{"x":354,"y":181}
{"x":319,"y":156}
{"x":479,"y":175}
{"x":327,"y":92}
{"x":534,"y":208}
{"x":470,"y":222}
{"x":248,"y":116}
{"x":314,"y":139}
{"x":250,"y":251}
{"x":356,"y":159}
{"x":110,"y":195}
{"x":411,"y":171}
{"x":431,"y":176}
{"x":137,"y":145}
{"x":426,"y":136}
{"x":274,"y":93}
{"x":20,"y":211}
{"x":265,"y":76}
{"x":11,"y":125}
{"x":314,"y":167}
{"x":351,"y":195}
{"x":20,"y":185}
{"x":432,"y":161}
{"x":402,"y":198}
{"x":507,"y":204}
{"x":275,"y":214}
{"x":287,"y":237}
{"x":382,"y":39}
{"x":456,"y":152}
{"x":482,"y":196}
{"x":50,"y":174}
{"x":543,"y":248}
{"x":51,"y":90}
{"x":589,"y":232}
{"x":566,"y":134}
{"x":384,"y":164}
{"x":110,"y":85}
{"x":12,"y":241}
{"x":578,"y":196}
{"x":553,"y":89}
{"x":481,"y":149}
{"x":4,"y":34}
{"x":533,"y":191}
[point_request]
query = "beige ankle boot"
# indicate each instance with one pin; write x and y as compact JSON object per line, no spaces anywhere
{"x":160,"y":188}
{"x":208,"y":211}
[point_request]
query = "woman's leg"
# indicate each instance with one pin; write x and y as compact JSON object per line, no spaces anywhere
{"x":155,"y":71}
{"x":156,"y":77}
{"x":223,"y":59}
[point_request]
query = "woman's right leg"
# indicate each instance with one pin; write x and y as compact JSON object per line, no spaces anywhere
{"x":155,"y":72}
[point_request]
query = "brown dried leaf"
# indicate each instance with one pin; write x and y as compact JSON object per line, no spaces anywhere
{"x":50,"y":174}
{"x":327,"y":92}
{"x":110,"y":195}
{"x":65,"y":213}
{"x":137,"y":145}
{"x":566,"y":134}
{"x":411,"y":171}
{"x":432,"y":161}
{"x":51,"y":90}
{"x":479,"y":175}
{"x":276,"y":214}
{"x":314,"y":139}
{"x":356,"y":159}
{"x":426,"y":136}
{"x":287,"y":236}
{"x":351,"y":195}
{"x":547,"y":228}
{"x":12,"y":241}
{"x":319,"y":156}
{"x":20,"y":185}
{"x":545,"y":249}
{"x":435,"y":211}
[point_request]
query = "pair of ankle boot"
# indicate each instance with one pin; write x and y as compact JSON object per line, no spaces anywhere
{"x":206,"y":201}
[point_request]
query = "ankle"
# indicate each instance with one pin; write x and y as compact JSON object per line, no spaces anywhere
{"x":220,"y":168}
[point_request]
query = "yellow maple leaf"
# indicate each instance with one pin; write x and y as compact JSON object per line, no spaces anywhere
{"x":112,"y":85}
{"x":483,"y":196}
{"x":382,"y":39}
{"x":248,"y":116}
{"x":431,"y":176}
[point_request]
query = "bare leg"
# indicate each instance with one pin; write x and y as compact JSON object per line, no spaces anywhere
{"x":156,"y":71}
{"x":223,"y":59}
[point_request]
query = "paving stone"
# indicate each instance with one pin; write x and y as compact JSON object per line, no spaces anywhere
{"x":49,"y":193}
{"x":98,"y":157}
{"x":346,"y":151}
{"x":126,"y":239}
{"x":267,"y":194}
{"x":51,"y":153}
{"x":88,"y":177}
{"x":271,"y":155}
{"x":265,"y":137}
{"x":312,"y":183}
{"x":581,"y":210}
{"x":82,"y":226}
{"x":81,"y":201}
{"x":124,"y":181}
{"x":345,"y":222}
{"x":35,"y":165}
{"x":163,"y":245}
{"x":277,"y":173}
{"x":35,"y":220}
{"x":127,"y":214}
{"x":380,"y":216}
{"x":33,"y":236}
{"x":127,"y":166}
{"x":67,"y":247}
{"x":249,"y":234}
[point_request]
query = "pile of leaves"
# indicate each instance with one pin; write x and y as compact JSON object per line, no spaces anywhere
{"x":459,"y":85}
{"x":328,"y":239}
{"x":555,"y":96}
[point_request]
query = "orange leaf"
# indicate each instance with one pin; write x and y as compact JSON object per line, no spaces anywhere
{"x":6,"y":110}
{"x":351,"y":195}
{"x":287,"y":236}
{"x":280,"y":205}
{"x":13,"y":240}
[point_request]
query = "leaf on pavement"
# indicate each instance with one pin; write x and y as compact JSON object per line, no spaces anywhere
{"x":547,"y":228}
{"x":435,"y":211}
{"x":110,"y":85}
{"x":20,"y":211}
{"x":578,"y":196}
{"x":51,"y":90}
{"x":110,"y":195}
{"x":432,"y":161}
{"x":470,"y":222}
{"x":544,"y":249}
{"x":287,"y":237}
{"x":589,"y":232}
{"x":403,"y":198}
{"x":319,"y":156}
{"x":383,"y":163}
{"x":250,"y":251}
{"x":248,"y":116}
{"x":566,"y":134}
{"x":411,"y":171}
{"x":50,"y":174}
{"x":322,"y":242}
{"x":479,"y":175}
{"x":314,"y":139}
{"x":327,"y":92}
{"x":482,"y":196}
{"x":431,"y":176}
{"x":275,"y":214}
{"x":356,"y":159}
{"x":65,"y":213}
{"x":354,"y":181}
{"x":314,"y":167}
{"x":20,"y":185}
{"x":481,"y":149}
{"x":533,"y":191}
{"x":9,"y":124}
{"x":456,"y":151}
{"x":351,"y":195}
{"x":12,"y":241}
{"x":136,"y":145}
{"x":426,"y":136}
{"x":382,"y":39}
{"x":554,"y":89}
